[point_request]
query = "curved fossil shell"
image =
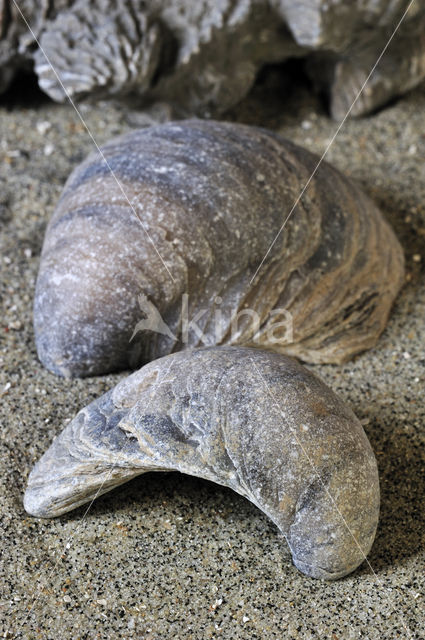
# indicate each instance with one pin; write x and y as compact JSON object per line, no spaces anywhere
{"x":209,"y":200}
{"x":203,"y":57}
{"x":254,"y":421}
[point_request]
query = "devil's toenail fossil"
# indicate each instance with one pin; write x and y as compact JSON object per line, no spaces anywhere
{"x":255,"y":421}
{"x":187,"y":243}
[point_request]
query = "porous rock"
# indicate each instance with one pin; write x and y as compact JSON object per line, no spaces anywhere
{"x":203,"y":57}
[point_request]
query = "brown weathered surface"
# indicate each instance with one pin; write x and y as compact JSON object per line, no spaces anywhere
{"x":209,"y":200}
{"x":254,"y":421}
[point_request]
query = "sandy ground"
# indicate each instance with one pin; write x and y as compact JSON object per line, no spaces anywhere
{"x":172,"y":556}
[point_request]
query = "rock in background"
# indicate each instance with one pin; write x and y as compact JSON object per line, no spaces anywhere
{"x":203,"y":57}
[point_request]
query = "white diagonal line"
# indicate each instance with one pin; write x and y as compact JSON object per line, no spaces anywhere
{"x":83,"y":517}
{"x":121,"y":188}
{"x":253,"y":278}
{"x":313,"y":466}
{"x":341,"y":124}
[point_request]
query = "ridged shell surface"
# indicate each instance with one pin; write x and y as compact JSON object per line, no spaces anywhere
{"x":254,"y":421}
{"x":185,"y":223}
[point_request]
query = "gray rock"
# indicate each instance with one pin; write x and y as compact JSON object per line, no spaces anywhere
{"x":118,"y":286}
{"x":253,"y":421}
{"x":203,"y":57}
{"x":401,"y":68}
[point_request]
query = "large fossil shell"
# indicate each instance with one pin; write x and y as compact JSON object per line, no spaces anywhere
{"x":209,"y":200}
{"x":254,"y":421}
{"x":202,"y":57}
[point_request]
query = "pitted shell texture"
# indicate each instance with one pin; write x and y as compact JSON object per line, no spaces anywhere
{"x":180,"y":239}
{"x":254,"y":421}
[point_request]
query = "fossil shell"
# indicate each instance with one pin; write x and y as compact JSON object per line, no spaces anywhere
{"x":203,"y":57}
{"x":209,"y":200}
{"x":254,"y":421}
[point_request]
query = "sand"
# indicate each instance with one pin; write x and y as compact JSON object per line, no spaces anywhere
{"x":172,"y":556}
